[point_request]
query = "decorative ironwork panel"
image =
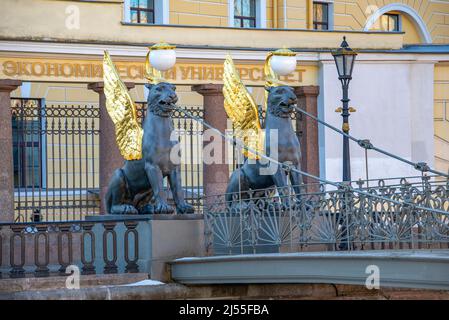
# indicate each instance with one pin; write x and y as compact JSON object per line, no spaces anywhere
{"x":398,"y":216}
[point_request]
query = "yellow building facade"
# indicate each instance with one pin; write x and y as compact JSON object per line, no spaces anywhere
{"x":56,"y":48}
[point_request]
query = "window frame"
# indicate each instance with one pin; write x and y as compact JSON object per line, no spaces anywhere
{"x":22,"y":144}
{"x":397,"y":21}
{"x":246,"y":18}
{"x":161,"y":13}
{"x":260,"y":17}
{"x":139,"y":10}
{"x":315,"y":23}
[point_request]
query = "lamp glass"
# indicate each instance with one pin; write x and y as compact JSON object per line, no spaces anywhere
{"x":349,"y":64}
{"x":339,"y":61}
{"x":163,"y":60}
{"x":283,"y":65}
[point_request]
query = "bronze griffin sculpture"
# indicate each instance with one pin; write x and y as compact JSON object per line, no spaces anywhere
{"x":137,"y":187}
{"x":256,"y":173}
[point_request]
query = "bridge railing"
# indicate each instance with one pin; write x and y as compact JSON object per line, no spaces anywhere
{"x":311,"y":218}
{"x":93,"y":246}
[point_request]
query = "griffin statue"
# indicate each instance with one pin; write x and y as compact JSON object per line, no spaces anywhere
{"x":255,"y":173}
{"x":137,"y":187}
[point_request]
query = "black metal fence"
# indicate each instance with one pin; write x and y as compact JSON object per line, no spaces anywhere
{"x":56,"y":160}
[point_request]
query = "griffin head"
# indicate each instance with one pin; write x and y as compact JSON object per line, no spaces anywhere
{"x":162,"y":98}
{"x":281,"y":100}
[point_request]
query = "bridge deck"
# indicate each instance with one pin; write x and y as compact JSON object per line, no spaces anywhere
{"x":427,"y":269}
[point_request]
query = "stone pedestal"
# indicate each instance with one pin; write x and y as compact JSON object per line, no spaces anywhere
{"x":307,"y":100}
{"x":6,"y":155}
{"x":162,"y":238}
{"x":110,"y":157}
{"x":215,"y":175}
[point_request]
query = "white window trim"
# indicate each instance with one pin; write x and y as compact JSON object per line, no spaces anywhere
{"x":161,"y":11}
{"x":261,"y":13}
{"x":330,"y":13}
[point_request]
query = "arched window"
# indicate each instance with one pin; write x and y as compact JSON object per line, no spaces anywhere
{"x":411,"y":13}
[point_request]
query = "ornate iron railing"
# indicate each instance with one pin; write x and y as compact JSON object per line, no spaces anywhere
{"x":47,"y":248}
{"x":56,"y":161}
{"x":398,"y":216}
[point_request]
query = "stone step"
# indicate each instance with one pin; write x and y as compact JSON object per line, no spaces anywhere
{"x":173,"y":291}
{"x":10,"y":285}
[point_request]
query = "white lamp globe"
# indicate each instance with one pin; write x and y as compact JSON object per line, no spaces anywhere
{"x":162,"y":56}
{"x":283,"y":62}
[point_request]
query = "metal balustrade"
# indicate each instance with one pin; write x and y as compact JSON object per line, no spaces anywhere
{"x":48,"y":248}
{"x":399,"y":216}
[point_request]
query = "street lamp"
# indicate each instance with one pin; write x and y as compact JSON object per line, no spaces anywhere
{"x":344,"y":59}
{"x":283,"y":61}
{"x":160,"y":57}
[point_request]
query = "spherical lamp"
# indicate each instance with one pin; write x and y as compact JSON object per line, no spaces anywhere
{"x":162,"y":56}
{"x":283,"y":61}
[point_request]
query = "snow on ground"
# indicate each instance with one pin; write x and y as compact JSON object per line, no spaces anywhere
{"x":148,"y":282}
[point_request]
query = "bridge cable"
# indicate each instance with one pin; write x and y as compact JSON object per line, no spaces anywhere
{"x":339,"y":185}
{"x":367,"y":145}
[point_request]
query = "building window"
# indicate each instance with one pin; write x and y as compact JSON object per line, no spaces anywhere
{"x":320,"y":16}
{"x":142,"y":11}
{"x":245,"y":13}
{"x":27,"y":153}
{"x":389,"y":22}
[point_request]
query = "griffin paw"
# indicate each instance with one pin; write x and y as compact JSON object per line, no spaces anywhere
{"x":163,"y":208}
{"x":185,"y":208}
{"x":147,"y":209}
{"x":124,"y":209}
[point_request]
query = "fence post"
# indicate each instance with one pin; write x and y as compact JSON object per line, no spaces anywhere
{"x":110,"y":157}
{"x":216,"y":175}
{"x":6,"y":156}
{"x":307,"y":100}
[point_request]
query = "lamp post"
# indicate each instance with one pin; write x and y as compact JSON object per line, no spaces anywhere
{"x":344,"y":59}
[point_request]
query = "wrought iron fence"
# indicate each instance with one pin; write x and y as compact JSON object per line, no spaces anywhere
{"x":56,"y":161}
{"x":398,"y":216}
{"x":94,"y":246}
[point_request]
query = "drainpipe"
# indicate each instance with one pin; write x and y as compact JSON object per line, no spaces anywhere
{"x":275,"y":14}
{"x":310,"y":14}
{"x":285,"y":14}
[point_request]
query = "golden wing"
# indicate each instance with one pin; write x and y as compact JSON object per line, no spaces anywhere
{"x":242,"y":110}
{"x":122,"y":111}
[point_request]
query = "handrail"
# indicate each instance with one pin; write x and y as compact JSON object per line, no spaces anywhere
{"x":341,"y":185}
{"x":366,"y":144}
